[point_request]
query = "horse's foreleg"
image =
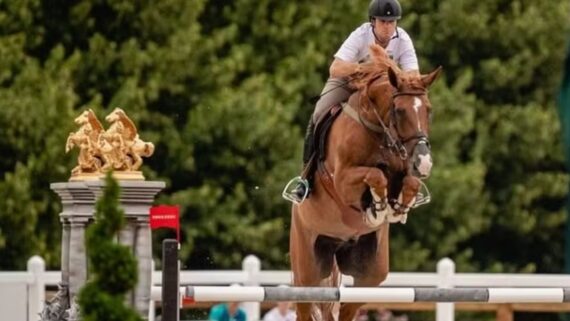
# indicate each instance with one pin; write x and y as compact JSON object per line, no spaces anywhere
{"x":137,"y":161}
{"x":351,"y":183}
{"x":303,"y":261}
{"x":376,"y":273}
{"x":69,"y":142}
{"x":410,"y":188}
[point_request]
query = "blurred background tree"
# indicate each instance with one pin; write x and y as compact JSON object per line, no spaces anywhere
{"x":221,"y":88}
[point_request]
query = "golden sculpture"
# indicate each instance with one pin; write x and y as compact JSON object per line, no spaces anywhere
{"x":118,"y":148}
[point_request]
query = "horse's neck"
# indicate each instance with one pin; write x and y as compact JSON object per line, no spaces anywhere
{"x":85,"y":129}
{"x":366,"y":108}
{"x":366,"y":139}
{"x":116,"y":127}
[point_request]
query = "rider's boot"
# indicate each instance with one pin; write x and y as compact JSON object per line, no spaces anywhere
{"x":303,"y":184}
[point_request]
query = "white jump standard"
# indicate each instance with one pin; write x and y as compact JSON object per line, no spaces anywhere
{"x":372,"y":295}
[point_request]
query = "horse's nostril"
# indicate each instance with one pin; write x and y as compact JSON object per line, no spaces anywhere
{"x":422,"y":165}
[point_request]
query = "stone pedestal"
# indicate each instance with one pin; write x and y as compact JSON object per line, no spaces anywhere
{"x":78,"y":199}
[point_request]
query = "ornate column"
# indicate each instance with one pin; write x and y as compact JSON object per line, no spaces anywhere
{"x":78,"y":200}
{"x":121,"y":149}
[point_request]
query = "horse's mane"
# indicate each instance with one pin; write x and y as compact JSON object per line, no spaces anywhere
{"x":378,"y":66}
{"x":94,"y":122}
{"x":130,"y":128}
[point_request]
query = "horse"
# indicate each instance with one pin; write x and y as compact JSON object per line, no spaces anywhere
{"x":123,"y":138}
{"x":376,"y":152}
{"x":87,"y":139}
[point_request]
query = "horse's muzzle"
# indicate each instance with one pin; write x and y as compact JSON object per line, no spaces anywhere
{"x":421,"y":159}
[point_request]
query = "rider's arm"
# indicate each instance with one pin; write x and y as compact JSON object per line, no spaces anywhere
{"x":350,"y":52}
{"x":408,"y":59}
{"x":340,"y":68}
{"x":409,"y":62}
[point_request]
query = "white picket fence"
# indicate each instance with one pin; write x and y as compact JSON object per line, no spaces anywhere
{"x":22,"y":293}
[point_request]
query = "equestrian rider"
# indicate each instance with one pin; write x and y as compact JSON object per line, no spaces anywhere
{"x":381,"y":29}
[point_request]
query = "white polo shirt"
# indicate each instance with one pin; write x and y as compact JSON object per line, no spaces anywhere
{"x":401,"y":49}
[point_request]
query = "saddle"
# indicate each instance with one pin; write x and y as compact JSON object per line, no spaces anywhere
{"x":320,"y":136}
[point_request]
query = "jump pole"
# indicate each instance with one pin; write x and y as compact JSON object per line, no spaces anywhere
{"x":376,"y":295}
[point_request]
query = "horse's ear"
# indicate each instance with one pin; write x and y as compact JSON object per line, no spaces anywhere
{"x":393,"y":77}
{"x":428,"y":79}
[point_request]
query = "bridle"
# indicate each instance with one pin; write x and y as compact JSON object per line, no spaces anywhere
{"x":397,"y":144}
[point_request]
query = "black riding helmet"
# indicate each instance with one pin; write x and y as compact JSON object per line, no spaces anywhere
{"x":385,"y":9}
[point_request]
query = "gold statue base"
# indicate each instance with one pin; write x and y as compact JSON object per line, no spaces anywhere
{"x":118,"y":175}
{"x":128,"y":175}
{"x":85,"y":177}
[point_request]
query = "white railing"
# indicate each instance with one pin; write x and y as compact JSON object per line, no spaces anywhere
{"x":22,"y":293}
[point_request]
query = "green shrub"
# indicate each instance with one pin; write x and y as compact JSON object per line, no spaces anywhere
{"x":112,"y":267}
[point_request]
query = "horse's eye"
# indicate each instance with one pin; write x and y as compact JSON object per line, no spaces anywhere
{"x":400,"y":111}
{"x":430,"y":116}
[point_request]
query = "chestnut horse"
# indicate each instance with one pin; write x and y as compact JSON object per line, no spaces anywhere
{"x":377,"y":151}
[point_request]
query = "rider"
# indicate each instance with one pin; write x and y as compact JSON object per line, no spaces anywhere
{"x":380,"y":29}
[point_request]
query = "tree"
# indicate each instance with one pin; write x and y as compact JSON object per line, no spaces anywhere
{"x":221,"y":88}
{"x":513,"y":58}
{"x":112,"y":267}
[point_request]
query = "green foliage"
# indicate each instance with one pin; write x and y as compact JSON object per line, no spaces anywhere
{"x":112,"y":267}
{"x":221,"y":88}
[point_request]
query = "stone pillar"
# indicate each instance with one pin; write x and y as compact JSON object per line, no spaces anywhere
{"x":78,"y":199}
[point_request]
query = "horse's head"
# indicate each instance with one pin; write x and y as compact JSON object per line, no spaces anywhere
{"x":410,"y":115}
{"x":83,"y":118}
{"x":399,"y":102}
{"x":115,"y":115}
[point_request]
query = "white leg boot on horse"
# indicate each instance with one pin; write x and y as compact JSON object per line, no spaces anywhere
{"x":407,"y":198}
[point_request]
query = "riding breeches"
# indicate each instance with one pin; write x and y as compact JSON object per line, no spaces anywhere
{"x":336,"y":90}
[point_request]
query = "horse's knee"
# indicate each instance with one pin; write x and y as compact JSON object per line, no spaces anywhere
{"x":382,"y":275}
{"x":376,"y":180}
{"x":378,"y":276}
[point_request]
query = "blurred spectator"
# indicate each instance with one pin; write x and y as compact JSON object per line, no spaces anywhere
{"x":227,"y":312}
{"x":281,"y":312}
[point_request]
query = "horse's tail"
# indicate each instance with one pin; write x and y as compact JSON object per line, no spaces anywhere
{"x":327,"y":309}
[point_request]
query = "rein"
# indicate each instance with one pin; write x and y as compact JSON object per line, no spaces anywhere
{"x":394,"y":144}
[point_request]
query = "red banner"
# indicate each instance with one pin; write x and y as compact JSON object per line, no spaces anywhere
{"x":165,"y":216}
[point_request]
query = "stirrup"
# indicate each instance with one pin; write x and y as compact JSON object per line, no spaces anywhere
{"x":423,"y":197}
{"x":288,"y":191}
